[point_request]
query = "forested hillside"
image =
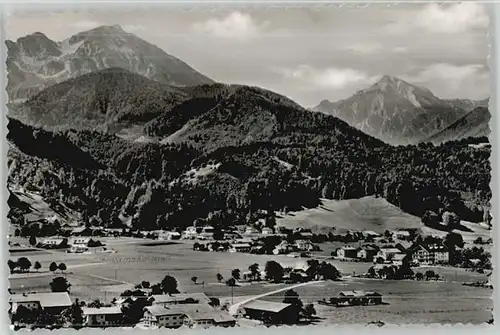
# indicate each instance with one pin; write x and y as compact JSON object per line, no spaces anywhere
{"x":242,"y":153}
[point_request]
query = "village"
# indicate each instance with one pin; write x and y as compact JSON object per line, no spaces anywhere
{"x":393,"y":255}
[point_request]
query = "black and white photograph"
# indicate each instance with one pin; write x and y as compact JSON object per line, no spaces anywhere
{"x":194,"y":166}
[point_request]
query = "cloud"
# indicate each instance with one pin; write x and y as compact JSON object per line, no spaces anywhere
{"x":444,"y":19}
{"x":363,"y":49}
{"x":86,"y":24}
{"x":455,"y":18}
{"x":133,"y":27}
{"x":449,"y":80}
{"x":331,"y":78}
{"x":234,"y":26}
{"x":400,"y":50}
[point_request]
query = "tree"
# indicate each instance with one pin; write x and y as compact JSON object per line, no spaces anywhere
{"x":274,"y":271}
{"x":96,"y":304}
{"x":169,"y":285}
{"x":451,"y":220}
{"x":12,"y":265}
{"x":37,"y":265}
{"x":74,"y":314}
{"x":430,"y":218}
{"x":145,"y":284}
{"x":292,"y":297}
{"x":419,"y":276}
{"x":32,"y":240}
{"x":53,"y":267}
{"x":194,"y":279}
{"x":156,"y":289}
{"x":254,"y":270}
{"x":328,"y":271}
{"x":23,"y":263}
{"x":62,"y":267}
{"x":25,"y":315}
{"x":236,"y":274}
{"x":59,"y":284}
{"x":309,"y":311}
{"x":219,"y":277}
{"x":429,"y":274}
{"x":133,"y":312}
{"x":231,"y":282}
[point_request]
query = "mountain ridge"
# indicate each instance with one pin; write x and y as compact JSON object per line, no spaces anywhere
{"x":396,"y":111}
{"x":35,"y":61}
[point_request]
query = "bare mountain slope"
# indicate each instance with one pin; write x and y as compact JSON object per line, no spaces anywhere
{"x":394,"y":111}
{"x":35,"y":62}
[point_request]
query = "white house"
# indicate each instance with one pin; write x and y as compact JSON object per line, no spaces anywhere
{"x":347,"y":252}
{"x":190,"y":233}
{"x":240,"y":247}
{"x":397,"y":259}
{"x":169,"y":235}
{"x":431,"y":254}
{"x":161,"y":316}
{"x":387,"y":253}
{"x":249,"y":230}
{"x":401,"y":235}
{"x":79,"y":241}
{"x":304,"y":245}
{"x":267,"y":231}
{"x":53,"y":241}
{"x":102,"y":316}
{"x":54,"y":302}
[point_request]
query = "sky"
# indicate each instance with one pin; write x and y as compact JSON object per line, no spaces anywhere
{"x":308,"y":53}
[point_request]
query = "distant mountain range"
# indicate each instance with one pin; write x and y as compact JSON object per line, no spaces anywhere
{"x":398,"y":112}
{"x":35,"y":62}
{"x":473,"y":124}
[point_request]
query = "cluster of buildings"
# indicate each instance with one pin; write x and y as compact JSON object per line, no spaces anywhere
{"x":168,"y":311}
{"x":423,"y":254}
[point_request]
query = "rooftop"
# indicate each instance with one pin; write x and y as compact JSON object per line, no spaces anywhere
{"x":49,"y":299}
{"x":166,"y":298}
{"x":266,"y":306}
{"x":101,"y":310}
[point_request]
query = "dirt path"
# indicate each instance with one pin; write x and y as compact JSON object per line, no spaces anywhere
{"x":234,"y":308}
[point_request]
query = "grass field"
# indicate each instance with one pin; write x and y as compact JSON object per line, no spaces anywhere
{"x":407,"y":302}
{"x":367,"y":213}
{"x":104,"y":276}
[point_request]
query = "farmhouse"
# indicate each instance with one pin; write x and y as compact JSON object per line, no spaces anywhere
{"x":82,"y":231}
{"x":401,"y":235}
{"x":366,"y":253}
{"x":103,"y":316}
{"x":190,"y":233}
{"x":354,"y":298}
{"x":53,"y":302}
{"x":397,"y":259}
{"x":270,"y":312}
{"x":169,"y":235}
{"x":79,"y":241}
{"x":304,"y":245}
{"x":267,"y":231}
{"x":161,"y":316}
{"x":53,"y":241}
{"x":251,"y":230}
{"x":346,"y":252}
{"x":431,"y":254}
{"x":180,"y":298}
{"x":207,"y":232}
{"x":387,"y":253}
{"x":240,"y":247}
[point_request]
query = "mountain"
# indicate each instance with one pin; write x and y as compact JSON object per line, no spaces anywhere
{"x":473,"y":124}
{"x":35,"y":62}
{"x":468,"y":104}
{"x":394,"y":111}
{"x":109,"y":99}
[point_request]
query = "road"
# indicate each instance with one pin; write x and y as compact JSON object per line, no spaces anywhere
{"x":233,"y":309}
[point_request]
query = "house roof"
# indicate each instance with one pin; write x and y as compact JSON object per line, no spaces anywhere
{"x":49,"y":299}
{"x":158,"y":310}
{"x":166,"y":298}
{"x":391,"y":250}
{"x":352,"y":293}
{"x":101,"y":310}
{"x":403,"y":232}
{"x":79,"y":229}
{"x":399,"y":257}
{"x":240,"y":245}
{"x":347,"y":248}
{"x":371,"y":232}
{"x":268,"y":306}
